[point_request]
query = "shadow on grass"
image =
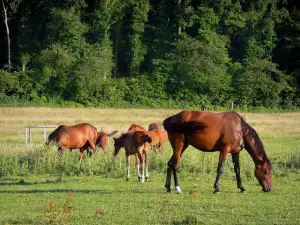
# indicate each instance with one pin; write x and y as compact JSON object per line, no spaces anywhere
{"x":57,"y":191}
{"x":21,"y":182}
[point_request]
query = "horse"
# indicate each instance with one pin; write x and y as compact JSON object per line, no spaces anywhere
{"x":158,"y":136}
{"x":103,"y":138}
{"x":83,"y":136}
{"x":225,"y":132}
{"x":136,"y":143}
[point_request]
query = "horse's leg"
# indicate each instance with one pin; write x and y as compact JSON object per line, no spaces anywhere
{"x":168,"y":180}
{"x":88,"y":151}
{"x":60,"y":149}
{"x":80,"y":155}
{"x":146,"y":165}
{"x":92,"y":146}
{"x":236,"y":164}
{"x":140,"y":155}
{"x":179,"y":144}
{"x":154,"y":148}
{"x":127,"y":167}
{"x":137,"y":166}
{"x":162,"y":150}
{"x":104,"y":148}
{"x":222,"y":157}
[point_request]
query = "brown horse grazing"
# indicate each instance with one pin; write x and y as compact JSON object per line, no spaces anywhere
{"x":82,"y":136}
{"x":224,"y":132}
{"x":136,"y":143}
{"x":103,"y":138}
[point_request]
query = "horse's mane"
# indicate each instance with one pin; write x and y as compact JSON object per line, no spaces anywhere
{"x":250,"y":131}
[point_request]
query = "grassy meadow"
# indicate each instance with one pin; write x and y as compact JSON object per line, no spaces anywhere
{"x":38,"y":187}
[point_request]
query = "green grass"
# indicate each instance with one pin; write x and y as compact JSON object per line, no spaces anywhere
{"x":97,"y":200}
{"x":39,"y":187}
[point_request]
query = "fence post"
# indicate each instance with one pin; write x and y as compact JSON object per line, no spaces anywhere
{"x":29,"y":135}
{"x":26,"y":135}
{"x":45,"y":134}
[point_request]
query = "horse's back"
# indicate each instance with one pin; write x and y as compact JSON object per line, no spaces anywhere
{"x":155,"y":126}
{"x":211,"y":119}
{"x":135,"y":127}
{"x":157,"y":135}
{"x":207,"y":131}
{"x":75,"y":136}
{"x":135,"y":141}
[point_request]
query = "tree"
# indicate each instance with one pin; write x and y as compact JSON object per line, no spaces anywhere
{"x":201,"y":69}
{"x":260,"y":83}
{"x":138,"y":48}
{"x":12,"y":6}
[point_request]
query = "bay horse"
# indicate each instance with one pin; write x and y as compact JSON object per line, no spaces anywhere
{"x":83,"y":136}
{"x":225,"y":132}
{"x":136,"y":143}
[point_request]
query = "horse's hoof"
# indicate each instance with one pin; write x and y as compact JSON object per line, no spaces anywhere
{"x":146,"y":179}
{"x":169,"y":191}
{"x":178,"y":190}
{"x":127,"y":179}
{"x":243,"y":191}
{"x":217,"y":192}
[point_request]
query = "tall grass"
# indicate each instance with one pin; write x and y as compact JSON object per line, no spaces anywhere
{"x":46,"y":160}
{"x":279,"y":133}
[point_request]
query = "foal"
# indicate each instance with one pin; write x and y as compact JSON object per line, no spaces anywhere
{"x":136,"y":143}
{"x":103,"y":138}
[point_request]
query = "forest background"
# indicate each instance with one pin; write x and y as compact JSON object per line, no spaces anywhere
{"x":200,"y":54}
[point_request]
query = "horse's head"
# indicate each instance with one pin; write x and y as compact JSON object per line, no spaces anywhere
{"x":117,"y":146}
{"x":263,"y":173}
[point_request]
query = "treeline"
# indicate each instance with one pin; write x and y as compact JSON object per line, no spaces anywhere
{"x":155,"y":53}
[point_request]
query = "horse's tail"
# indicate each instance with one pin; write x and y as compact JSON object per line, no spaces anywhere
{"x":252,"y":141}
{"x":112,"y":133}
{"x":185,"y":127}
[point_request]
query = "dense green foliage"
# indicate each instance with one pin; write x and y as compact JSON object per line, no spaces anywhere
{"x":152,"y":53}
